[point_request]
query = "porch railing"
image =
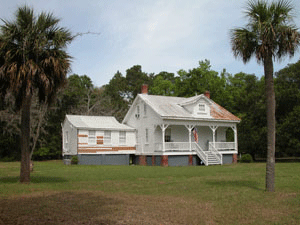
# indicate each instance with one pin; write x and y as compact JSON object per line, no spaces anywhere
{"x":208,"y":157}
{"x":174,"y":146}
{"x":185,"y":146}
{"x":217,"y":154}
{"x":201,"y":154}
{"x":223,"y":146}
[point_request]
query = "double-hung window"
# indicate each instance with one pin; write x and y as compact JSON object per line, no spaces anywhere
{"x":147,"y":136}
{"x":168,"y":135}
{"x":66,"y":139}
{"x":137,"y":115}
{"x":107,"y":137}
{"x":145,"y":110}
{"x":122,"y":137}
{"x":92,"y":137}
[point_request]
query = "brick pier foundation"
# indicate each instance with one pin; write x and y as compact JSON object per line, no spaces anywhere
{"x":142,"y":160}
{"x":153,"y":160}
{"x":164,"y":160}
{"x":190,"y":160}
{"x":234,"y":158}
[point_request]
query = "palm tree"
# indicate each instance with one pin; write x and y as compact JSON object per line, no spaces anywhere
{"x":32,"y":57}
{"x":270,"y":34}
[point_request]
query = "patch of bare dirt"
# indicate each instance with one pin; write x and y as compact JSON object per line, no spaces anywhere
{"x":274,"y":210}
{"x":83,"y":207}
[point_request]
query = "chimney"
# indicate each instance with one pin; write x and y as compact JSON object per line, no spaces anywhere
{"x":144,"y":89}
{"x":207,"y":94}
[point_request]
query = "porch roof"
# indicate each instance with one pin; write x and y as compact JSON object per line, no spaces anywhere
{"x":172,"y":108}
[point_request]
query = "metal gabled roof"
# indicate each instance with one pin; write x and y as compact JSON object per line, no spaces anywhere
{"x":218,"y":112}
{"x":165,"y":105}
{"x":96,"y":122}
{"x":173,"y":107}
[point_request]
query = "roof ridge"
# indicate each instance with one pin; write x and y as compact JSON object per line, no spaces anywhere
{"x":88,"y":115}
{"x":161,"y":96}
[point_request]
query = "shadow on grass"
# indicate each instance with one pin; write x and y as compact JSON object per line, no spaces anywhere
{"x":34,"y":179}
{"x":237,"y":183}
{"x":60,"y":208}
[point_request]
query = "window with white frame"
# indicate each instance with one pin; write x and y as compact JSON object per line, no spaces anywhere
{"x":201,"y":108}
{"x":92,"y":137}
{"x":145,"y":110}
{"x":138,"y":110}
{"x":168,"y":135}
{"x":67,"y":137}
{"x":107,"y":137}
{"x":147,"y":136}
{"x":122,"y":137}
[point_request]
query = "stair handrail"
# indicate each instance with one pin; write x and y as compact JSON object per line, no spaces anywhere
{"x":214,"y":151}
{"x":202,"y":155}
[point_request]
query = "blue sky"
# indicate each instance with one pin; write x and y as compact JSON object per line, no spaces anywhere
{"x":159,"y":35}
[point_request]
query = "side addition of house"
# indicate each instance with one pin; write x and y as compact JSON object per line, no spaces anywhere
{"x":178,"y":131}
{"x":98,"y":140}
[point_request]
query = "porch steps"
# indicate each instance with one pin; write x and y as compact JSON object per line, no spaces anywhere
{"x":211,"y":158}
{"x":207,"y":157}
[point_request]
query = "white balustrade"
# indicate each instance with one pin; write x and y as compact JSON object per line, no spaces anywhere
{"x":185,"y":146}
{"x":217,"y":154}
{"x":174,"y":146}
{"x":202,"y":155}
{"x":177,"y":146}
{"x":224,"y":146}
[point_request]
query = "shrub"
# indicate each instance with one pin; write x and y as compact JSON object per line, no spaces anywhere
{"x":41,"y":153}
{"x":74,"y":160}
{"x":247,"y":158}
{"x":8,"y":159}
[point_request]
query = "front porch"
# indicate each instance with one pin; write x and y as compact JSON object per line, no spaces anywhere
{"x":223,"y":147}
{"x":213,"y":155}
{"x":196,"y":140}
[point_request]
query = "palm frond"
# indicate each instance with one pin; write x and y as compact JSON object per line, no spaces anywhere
{"x":243,"y":43}
{"x":271,"y":29}
{"x":288,"y":41}
{"x":32,"y":54}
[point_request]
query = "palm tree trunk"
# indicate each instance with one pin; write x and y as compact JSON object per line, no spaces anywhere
{"x":270,"y":102}
{"x":25,"y":140}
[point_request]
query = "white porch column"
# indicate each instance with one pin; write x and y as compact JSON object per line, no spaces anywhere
{"x":214,"y":128}
{"x":163,"y":129}
{"x":234,"y":128}
{"x":190,"y":127}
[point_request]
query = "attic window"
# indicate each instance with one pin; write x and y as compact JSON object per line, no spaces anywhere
{"x":201,"y":108}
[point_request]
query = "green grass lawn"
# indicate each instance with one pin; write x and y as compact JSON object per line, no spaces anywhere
{"x":77,"y":194}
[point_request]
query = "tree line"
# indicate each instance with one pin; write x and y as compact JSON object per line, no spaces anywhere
{"x":242,"y":94}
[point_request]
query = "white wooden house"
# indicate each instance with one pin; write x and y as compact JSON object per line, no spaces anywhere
{"x":181,"y":131}
{"x":97,"y":140}
{"x":157,"y":130}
